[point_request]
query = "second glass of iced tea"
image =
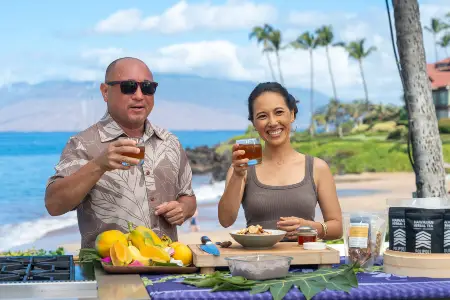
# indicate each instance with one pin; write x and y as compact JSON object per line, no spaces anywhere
{"x":253,"y":150}
{"x":140,"y":144}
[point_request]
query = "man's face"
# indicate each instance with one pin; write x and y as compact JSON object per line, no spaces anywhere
{"x":129,"y":110}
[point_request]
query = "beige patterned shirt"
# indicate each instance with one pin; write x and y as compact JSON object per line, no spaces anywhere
{"x":127,"y":195}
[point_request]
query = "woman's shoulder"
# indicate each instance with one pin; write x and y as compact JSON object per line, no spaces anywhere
{"x":319,"y":166}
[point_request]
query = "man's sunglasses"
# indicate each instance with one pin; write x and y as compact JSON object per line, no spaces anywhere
{"x":129,"y":87}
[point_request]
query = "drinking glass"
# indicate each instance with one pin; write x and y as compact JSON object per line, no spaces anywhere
{"x":253,"y":150}
{"x":140,"y":144}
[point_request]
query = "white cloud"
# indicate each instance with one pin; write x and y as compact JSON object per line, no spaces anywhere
{"x":181,"y":17}
{"x":223,"y":59}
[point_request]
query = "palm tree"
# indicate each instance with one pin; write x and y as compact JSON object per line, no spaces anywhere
{"x":262,"y":36}
{"x":436,"y":27}
{"x":426,"y":143}
{"x":335,"y":114}
{"x":307,"y":41}
{"x":445,"y":43}
{"x":275,"y":39}
{"x":325,"y":39}
{"x":356,"y":50}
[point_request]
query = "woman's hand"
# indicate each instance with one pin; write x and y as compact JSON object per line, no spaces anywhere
{"x":290,"y":225}
{"x":239,"y":165}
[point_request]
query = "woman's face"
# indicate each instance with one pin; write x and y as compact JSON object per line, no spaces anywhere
{"x":272,"y":118}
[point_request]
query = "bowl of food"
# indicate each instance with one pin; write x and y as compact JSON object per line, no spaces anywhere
{"x":255,"y":237}
{"x":259,"y":267}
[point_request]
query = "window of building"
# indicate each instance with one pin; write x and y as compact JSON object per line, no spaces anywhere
{"x":443,"y":97}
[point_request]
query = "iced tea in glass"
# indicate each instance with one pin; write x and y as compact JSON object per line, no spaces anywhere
{"x":253,"y":150}
{"x":140,"y":144}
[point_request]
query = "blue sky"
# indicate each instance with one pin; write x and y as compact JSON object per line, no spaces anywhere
{"x":76,"y":40}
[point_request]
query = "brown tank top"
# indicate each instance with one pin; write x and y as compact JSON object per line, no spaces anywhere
{"x":265,"y":204}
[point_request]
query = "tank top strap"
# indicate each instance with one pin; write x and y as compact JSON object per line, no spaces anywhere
{"x":309,"y":171}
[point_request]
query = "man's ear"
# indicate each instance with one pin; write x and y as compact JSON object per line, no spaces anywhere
{"x":104,"y":91}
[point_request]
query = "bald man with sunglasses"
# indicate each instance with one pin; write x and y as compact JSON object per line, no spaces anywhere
{"x":106,"y":187}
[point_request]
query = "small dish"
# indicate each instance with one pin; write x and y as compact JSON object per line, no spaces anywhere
{"x":259,"y":267}
{"x":314,"y":246}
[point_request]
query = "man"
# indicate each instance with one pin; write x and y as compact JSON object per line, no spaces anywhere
{"x":94,"y":176}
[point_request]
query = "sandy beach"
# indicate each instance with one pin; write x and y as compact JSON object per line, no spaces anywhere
{"x":375,"y":189}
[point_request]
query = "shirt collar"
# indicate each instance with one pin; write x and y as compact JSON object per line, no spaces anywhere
{"x":109,"y":130}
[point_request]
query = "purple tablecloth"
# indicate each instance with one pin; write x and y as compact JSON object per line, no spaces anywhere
{"x":372,"y":286}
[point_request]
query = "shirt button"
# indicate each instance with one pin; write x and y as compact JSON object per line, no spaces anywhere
{"x":147,"y":173}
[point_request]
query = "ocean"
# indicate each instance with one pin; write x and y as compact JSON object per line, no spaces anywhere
{"x":27,"y":160}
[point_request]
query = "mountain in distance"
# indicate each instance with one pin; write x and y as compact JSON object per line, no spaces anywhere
{"x":182,"y":102}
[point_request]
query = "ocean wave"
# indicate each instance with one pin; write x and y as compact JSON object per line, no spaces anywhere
{"x":209,"y":193}
{"x":13,"y":235}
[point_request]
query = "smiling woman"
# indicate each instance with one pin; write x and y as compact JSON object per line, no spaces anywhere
{"x":283,"y":191}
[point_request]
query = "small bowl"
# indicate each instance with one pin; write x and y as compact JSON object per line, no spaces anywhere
{"x":258,"y":241}
{"x":259,"y":267}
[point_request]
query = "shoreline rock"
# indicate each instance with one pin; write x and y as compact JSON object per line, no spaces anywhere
{"x":204,"y":160}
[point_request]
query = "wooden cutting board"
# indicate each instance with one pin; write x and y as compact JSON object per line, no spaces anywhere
{"x":207,"y":262}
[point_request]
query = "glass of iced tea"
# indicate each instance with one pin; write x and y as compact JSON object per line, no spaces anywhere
{"x":140,"y":144}
{"x":253,"y":150}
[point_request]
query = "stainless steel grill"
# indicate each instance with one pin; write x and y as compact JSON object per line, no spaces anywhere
{"x":45,"y":277}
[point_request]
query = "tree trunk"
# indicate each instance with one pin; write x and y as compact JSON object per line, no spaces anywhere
{"x":331,"y":74}
{"x":270,"y":66}
{"x":311,"y":97}
{"x":426,"y":142}
{"x":279,"y":67}
{"x":364,"y":84}
{"x":435,"y":47}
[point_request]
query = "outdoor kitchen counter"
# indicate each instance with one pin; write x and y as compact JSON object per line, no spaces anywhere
{"x":117,"y":286}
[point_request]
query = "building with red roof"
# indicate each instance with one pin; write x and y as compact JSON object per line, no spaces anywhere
{"x":439,"y":75}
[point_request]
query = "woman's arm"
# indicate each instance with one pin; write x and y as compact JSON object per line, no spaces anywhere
{"x":328,"y":201}
{"x":231,"y":198}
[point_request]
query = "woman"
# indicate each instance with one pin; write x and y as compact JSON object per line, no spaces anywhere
{"x":282,"y":191}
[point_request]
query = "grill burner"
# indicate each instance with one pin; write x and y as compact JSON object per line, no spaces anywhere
{"x":37,"y":268}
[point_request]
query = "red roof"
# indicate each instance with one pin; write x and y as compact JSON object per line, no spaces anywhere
{"x":439,"y":74}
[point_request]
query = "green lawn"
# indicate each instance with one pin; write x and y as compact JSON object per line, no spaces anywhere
{"x":355,"y":153}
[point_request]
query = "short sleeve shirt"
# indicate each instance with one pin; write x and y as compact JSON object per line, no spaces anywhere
{"x":127,"y":195}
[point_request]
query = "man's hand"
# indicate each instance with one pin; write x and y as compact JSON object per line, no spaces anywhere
{"x":173,"y":212}
{"x":113,"y":156}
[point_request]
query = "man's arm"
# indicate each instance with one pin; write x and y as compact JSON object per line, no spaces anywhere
{"x":76,"y":175}
{"x":189,"y":205}
{"x":65,"y":194}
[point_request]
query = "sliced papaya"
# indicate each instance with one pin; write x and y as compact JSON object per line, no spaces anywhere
{"x":120,"y":254}
{"x":154,"y":252}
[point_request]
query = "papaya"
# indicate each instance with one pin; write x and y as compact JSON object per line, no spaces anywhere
{"x":106,"y":239}
{"x":141,"y":234}
{"x":120,"y":254}
{"x":154,"y":252}
{"x":154,"y":237}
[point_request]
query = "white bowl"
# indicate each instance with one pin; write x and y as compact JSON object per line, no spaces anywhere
{"x":258,"y":241}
